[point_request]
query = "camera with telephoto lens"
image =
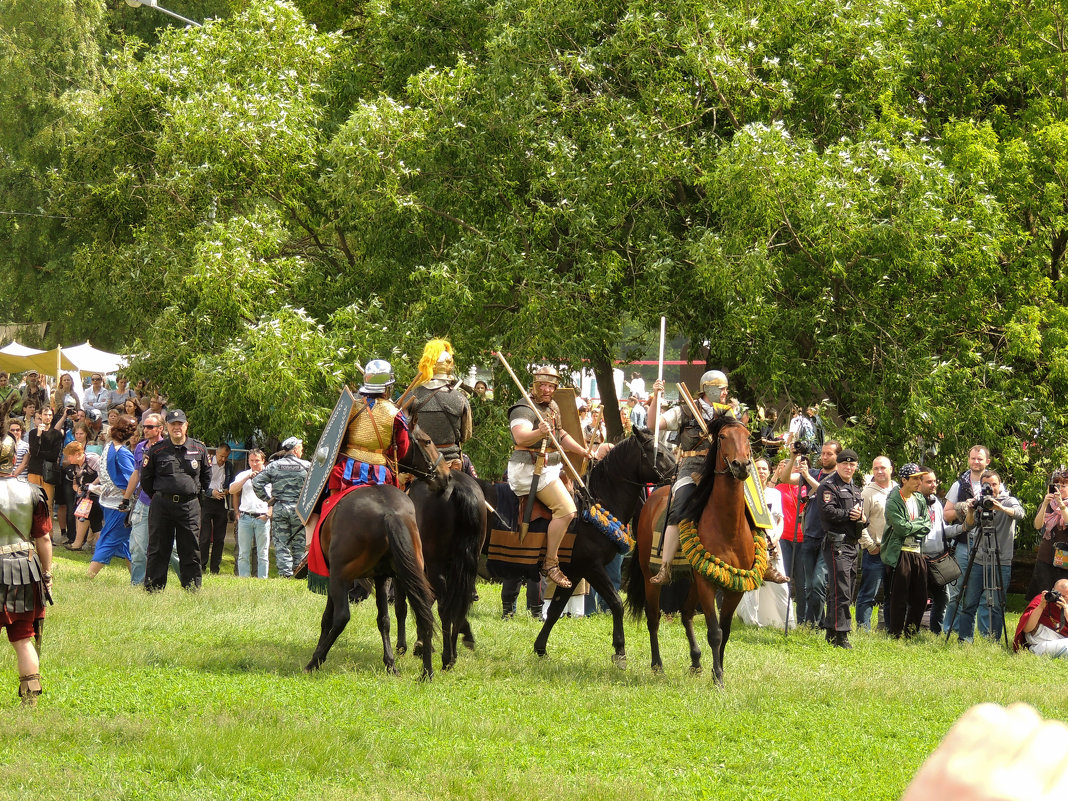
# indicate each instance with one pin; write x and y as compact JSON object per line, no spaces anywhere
{"x":985,"y":501}
{"x":802,"y":448}
{"x":1051,"y":596}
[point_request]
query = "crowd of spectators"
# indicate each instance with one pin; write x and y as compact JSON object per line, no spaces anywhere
{"x":62,"y":439}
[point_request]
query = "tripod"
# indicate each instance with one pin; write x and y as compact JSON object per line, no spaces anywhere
{"x":991,"y":574}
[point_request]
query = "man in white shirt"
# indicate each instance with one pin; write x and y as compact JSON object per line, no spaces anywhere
{"x":253,"y":521}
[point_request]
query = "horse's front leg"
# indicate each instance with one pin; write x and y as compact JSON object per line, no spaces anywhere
{"x":726,"y":617}
{"x":707,"y":595}
{"x":382,"y":601}
{"x":600,"y":582}
{"x":467,"y":634}
{"x":400,"y":606}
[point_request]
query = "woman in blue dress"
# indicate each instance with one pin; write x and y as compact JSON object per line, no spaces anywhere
{"x":117,"y":465}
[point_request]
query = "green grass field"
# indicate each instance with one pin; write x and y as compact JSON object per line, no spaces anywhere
{"x":183,"y":696}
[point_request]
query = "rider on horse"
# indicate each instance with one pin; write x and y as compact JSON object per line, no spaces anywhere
{"x":376,"y":435}
{"x":442,"y":408}
{"x":532,"y":444}
{"x":693,"y":449}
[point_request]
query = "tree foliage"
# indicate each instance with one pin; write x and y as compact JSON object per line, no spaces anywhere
{"x":865,"y":202}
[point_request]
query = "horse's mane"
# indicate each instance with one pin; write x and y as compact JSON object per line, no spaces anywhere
{"x":701,"y":496}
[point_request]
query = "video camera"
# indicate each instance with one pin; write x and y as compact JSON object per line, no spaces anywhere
{"x":985,"y":501}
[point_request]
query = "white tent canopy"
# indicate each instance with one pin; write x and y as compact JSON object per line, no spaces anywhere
{"x":84,"y":358}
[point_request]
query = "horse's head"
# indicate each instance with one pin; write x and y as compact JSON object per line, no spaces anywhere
{"x":732,"y":444}
{"x":424,"y":460}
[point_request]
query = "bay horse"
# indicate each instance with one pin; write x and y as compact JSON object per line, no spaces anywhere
{"x":452,"y":525}
{"x":617,"y":482}
{"x":374,"y":532}
{"x":723,"y":529}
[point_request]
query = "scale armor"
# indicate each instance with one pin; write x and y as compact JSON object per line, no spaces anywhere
{"x":370,"y":432}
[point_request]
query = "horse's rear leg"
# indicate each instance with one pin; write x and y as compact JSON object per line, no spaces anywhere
{"x":689,"y":607}
{"x":556,"y":608}
{"x":400,"y":606}
{"x":382,"y":600}
{"x":600,"y":582}
{"x":707,"y":595}
{"x":652,"y":622}
{"x":335,"y":618}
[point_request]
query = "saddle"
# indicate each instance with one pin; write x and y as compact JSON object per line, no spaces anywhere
{"x":508,"y":557}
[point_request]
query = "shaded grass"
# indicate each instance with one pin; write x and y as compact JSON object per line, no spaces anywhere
{"x":202,"y":696}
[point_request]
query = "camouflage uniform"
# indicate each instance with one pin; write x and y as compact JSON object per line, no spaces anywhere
{"x":286,"y":478}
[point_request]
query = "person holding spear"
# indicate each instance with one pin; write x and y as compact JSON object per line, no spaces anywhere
{"x":539,"y":437}
{"x":691,"y":421}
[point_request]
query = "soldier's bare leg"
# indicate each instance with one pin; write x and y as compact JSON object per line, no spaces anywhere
{"x":671,"y":547}
{"x":29,"y":665}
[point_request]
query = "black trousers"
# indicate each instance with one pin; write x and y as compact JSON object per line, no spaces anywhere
{"x":908,"y":595}
{"x":212,"y":532}
{"x":841,"y":561}
{"x":173,"y":524}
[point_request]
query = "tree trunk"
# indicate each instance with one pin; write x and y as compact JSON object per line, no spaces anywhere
{"x":602,"y":369}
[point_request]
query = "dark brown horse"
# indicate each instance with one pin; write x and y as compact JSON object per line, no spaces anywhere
{"x":724,"y":530}
{"x":452,"y":525}
{"x":373,"y":532}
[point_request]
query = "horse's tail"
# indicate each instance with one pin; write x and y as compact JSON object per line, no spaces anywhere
{"x":461,"y":571}
{"x":411,"y":578}
{"x":635,"y":587}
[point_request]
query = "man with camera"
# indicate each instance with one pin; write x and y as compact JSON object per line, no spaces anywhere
{"x":1043,"y":627}
{"x":966,"y":487}
{"x":811,"y":564}
{"x":990,"y":521}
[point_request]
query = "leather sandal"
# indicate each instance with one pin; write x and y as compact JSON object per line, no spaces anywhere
{"x":556,"y":576}
{"x":27,"y":692}
{"x":664,"y":576}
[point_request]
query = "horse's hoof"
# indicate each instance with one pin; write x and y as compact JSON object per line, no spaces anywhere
{"x":469,"y":643}
{"x":620,"y":661}
{"x":402,"y":650}
{"x":542,"y":653}
{"x":392,"y":670}
{"x":418,"y":649}
{"x":696,"y":670}
{"x":658,"y":669}
{"x":311,"y":667}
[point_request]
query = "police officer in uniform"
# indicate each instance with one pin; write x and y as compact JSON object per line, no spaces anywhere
{"x":841,"y":510}
{"x":174,"y":473}
{"x":286,"y":477}
{"x":442,"y":408}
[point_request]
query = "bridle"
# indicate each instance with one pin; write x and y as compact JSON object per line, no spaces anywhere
{"x":431,"y":472}
{"x":720,"y":454}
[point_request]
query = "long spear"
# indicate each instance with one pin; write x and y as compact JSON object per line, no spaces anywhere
{"x":552,"y":437}
{"x":659,"y":377}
